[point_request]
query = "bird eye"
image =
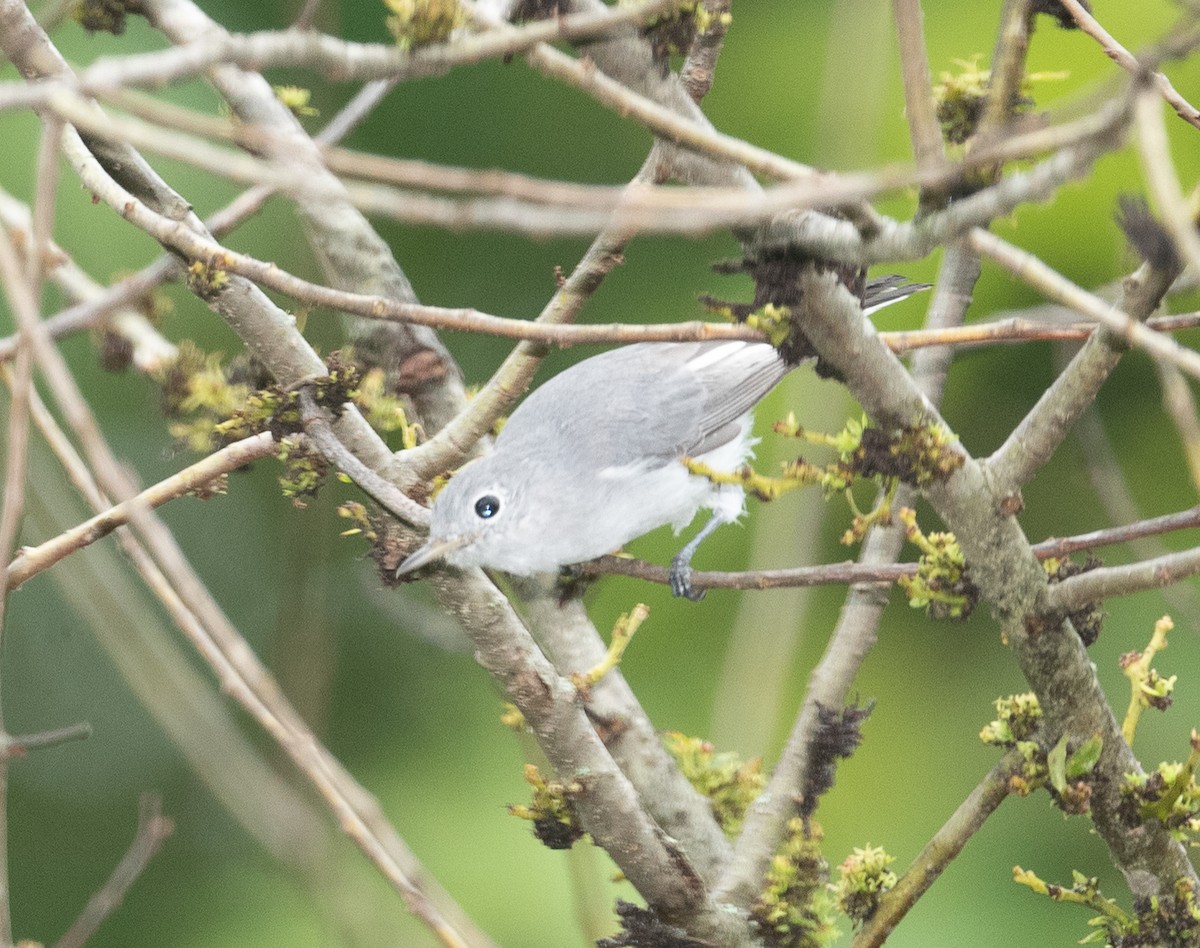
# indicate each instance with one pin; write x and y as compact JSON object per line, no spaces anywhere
{"x":487,"y":506}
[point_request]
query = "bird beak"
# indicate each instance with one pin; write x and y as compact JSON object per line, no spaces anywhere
{"x":431,"y":552}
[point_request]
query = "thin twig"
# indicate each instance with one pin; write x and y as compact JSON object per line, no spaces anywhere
{"x":1181,"y":408}
{"x":1051,"y":656}
{"x":1055,"y":286}
{"x":382,"y":491}
{"x":96,"y":303}
{"x":246,"y":681}
{"x":555,"y":207}
{"x":880,"y":574}
{"x":1127,"y":61}
{"x":357,"y":813}
{"x":304,"y":19}
{"x":854,"y":635}
{"x":830,"y":574}
{"x":649,"y":858}
{"x":1040,"y":433}
{"x":22,"y":303}
{"x":1117,"y":502}
{"x":23,"y":292}
{"x":923,"y":125}
{"x":1109,"y":581}
{"x":88,"y":312}
{"x":347,"y":61}
{"x":1007,"y":68}
{"x":153,"y":830}
{"x":21,"y":745}
{"x":939,"y":852}
{"x":1155,"y":151}
{"x":32,"y":560}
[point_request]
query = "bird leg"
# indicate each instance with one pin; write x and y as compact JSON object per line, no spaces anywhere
{"x":680,"y":574}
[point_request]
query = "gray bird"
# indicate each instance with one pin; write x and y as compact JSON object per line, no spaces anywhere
{"x":593,"y":458}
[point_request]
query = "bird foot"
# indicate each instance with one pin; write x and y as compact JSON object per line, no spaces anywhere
{"x":680,"y":576}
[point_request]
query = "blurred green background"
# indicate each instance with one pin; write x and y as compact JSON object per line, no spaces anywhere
{"x":377,"y":673}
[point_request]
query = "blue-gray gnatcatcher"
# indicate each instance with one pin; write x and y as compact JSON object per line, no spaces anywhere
{"x":592,"y":459}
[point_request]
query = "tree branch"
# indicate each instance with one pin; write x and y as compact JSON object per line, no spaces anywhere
{"x":1127,"y":61}
{"x":1053,"y":285}
{"x":153,"y":830}
{"x":1103,"y":583}
{"x":32,"y":560}
{"x":939,"y":852}
{"x":1049,"y":652}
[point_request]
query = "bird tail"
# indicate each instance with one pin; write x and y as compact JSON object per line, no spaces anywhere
{"x":886,"y":290}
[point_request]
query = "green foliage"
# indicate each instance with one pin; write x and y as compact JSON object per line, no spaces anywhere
{"x":863,"y":877}
{"x":1113,"y":920}
{"x":772,"y":321}
{"x":1062,"y":770}
{"x":198,"y":392}
{"x":1148,"y":689}
{"x":297,"y":99}
{"x":1017,"y":719}
{"x":420,"y":22}
{"x":357,"y":514}
{"x":730,"y":783}
{"x":304,"y":471}
{"x":917,"y":455}
{"x":512,"y":718}
{"x":1168,"y":795}
{"x":623,"y":630}
{"x":101,"y":16}
{"x":1159,"y":921}
{"x":383,"y":410}
{"x":550,"y":810}
{"x":794,"y":909}
{"x":1066,"y":772}
{"x":941,"y":586}
{"x":798,"y":473}
{"x":962,"y":96}
{"x":673,"y":32}
{"x":204,"y":279}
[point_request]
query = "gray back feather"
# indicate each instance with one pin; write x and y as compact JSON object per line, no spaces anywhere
{"x":643,"y":403}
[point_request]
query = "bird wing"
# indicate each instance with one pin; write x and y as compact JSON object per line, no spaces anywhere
{"x":643,"y":404}
{"x":734,"y":376}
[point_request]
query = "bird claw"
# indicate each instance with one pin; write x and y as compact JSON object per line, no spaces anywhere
{"x":680,"y":576}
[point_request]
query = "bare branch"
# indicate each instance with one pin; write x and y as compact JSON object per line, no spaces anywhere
{"x":923,"y":125}
{"x":1178,"y":212}
{"x":267,"y":330}
{"x":21,"y":745}
{"x":854,"y":635}
{"x":32,"y":560}
{"x":699,"y":69}
{"x":1127,"y":61}
{"x":1008,"y":67}
{"x":939,"y":852}
{"x":1103,"y":583}
{"x":22,"y":289}
{"x":96,"y":302}
{"x":868,"y":572}
{"x":153,"y":830}
{"x":382,"y":491}
{"x":346,"y":61}
{"x":1104,"y":471}
{"x":247,"y":681}
{"x":1055,"y":286}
